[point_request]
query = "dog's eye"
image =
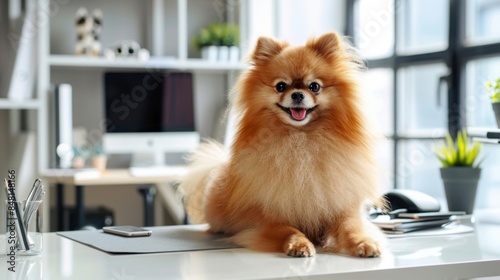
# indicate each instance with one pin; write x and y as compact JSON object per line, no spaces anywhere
{"x":281,"y":87}
{"x":314,"y":87}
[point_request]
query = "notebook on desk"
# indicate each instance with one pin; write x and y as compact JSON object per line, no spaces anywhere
{"x":452,"y":228}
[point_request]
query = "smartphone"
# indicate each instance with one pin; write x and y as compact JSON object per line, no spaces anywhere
{"x":128,"y":231}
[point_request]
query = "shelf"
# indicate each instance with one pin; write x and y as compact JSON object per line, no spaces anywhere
{"x":19,"y":104}
{"x":72,"y":61}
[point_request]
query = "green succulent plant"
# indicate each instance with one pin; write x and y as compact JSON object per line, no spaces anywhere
{"x":79,"y":151}
{"x":494,"y":89}
{"x":204,"y":38}
{"x":217,"y":34}
{"x":462,"y":152}
{"x":230,"y":35}
{"x":98,"y":150}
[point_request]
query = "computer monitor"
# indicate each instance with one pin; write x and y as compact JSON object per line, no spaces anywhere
{"x":149,"y":114}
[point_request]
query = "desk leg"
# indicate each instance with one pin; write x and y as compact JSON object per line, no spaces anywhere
{"x":148,"y":194}
{"x":80,"y":208}
{"x":60,"y":206}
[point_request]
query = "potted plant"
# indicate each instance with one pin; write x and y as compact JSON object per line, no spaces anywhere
{"x":218,"y":42}
{"x":460,"y":171}
{"x":230,"y":39}
{"x":99,"y":158}
{"x":80,"y":155}
{"x":494,"y":89}
{"x":206,"y":42}
{"x":218,"y":31}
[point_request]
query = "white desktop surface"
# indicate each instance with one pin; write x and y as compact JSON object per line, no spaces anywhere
{"x":460,"y":256}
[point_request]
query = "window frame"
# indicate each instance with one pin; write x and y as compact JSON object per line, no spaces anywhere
{"x":455,"y":57}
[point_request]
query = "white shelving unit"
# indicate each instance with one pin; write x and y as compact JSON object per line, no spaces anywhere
{"x":51,"y":65}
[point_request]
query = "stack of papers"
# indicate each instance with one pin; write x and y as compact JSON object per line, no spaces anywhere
{"x":409,"y":222}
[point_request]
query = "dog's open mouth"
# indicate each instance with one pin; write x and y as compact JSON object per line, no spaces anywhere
{"x":297,"y":113}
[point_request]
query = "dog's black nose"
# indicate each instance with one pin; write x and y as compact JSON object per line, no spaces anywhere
{"x":297,"y":97}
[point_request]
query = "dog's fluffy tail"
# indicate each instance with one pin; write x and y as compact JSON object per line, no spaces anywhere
{"x":195,"y":185}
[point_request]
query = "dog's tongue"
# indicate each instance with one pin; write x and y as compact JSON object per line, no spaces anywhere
{"x":298,"y":113}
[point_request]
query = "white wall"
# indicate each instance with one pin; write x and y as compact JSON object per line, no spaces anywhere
{"x":294,"y":20}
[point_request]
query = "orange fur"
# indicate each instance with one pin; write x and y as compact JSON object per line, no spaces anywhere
{"x":288,"y":185}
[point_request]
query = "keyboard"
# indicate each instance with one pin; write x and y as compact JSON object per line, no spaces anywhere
{"x":158,"y":171}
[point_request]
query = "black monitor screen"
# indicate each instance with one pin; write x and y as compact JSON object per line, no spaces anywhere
{"x":148,"y":102}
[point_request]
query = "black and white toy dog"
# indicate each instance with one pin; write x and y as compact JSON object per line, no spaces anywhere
{"x":88,"y":30}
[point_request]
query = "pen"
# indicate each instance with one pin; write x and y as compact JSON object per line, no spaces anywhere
{"x":30,"y":206}
{"x":32,"y":193}
{"x":28,"y":203}
{"x":24,"y":240}
{"x":33,"y":207}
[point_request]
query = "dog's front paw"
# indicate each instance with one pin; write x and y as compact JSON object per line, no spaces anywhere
{"x":299,"y":246}
{"x":366,"y":248}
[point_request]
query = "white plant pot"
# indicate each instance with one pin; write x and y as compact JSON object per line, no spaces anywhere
{"x":209,"y":53}
{"x":99,"y":162}
{"x":78,"y":163}
{"x":234,"y":54}
{"x":223,"y":53}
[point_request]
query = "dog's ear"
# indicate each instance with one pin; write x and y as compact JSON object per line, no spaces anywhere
{"x":81,"y":15}
{"x":97,"y":15}
{"x":326,"y":45}
{"x":266,"y":48}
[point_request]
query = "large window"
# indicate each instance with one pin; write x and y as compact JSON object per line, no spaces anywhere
{"x":428,"y":61}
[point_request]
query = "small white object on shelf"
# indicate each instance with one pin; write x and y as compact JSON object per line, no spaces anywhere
{"x":127,"y":49}
{"x":210,"y":53}
{"x":234,"y":54}
{"x":223,"y":53}
{"x":88,"y":29}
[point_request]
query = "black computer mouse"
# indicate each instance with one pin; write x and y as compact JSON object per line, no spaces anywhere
{"x":411,"y":200}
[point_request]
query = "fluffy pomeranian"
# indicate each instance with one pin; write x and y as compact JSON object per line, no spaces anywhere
{"x":301,"y":167}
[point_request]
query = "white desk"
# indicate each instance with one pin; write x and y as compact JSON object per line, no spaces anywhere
{"x":460,"y":256}
{"x":104,"y":178}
